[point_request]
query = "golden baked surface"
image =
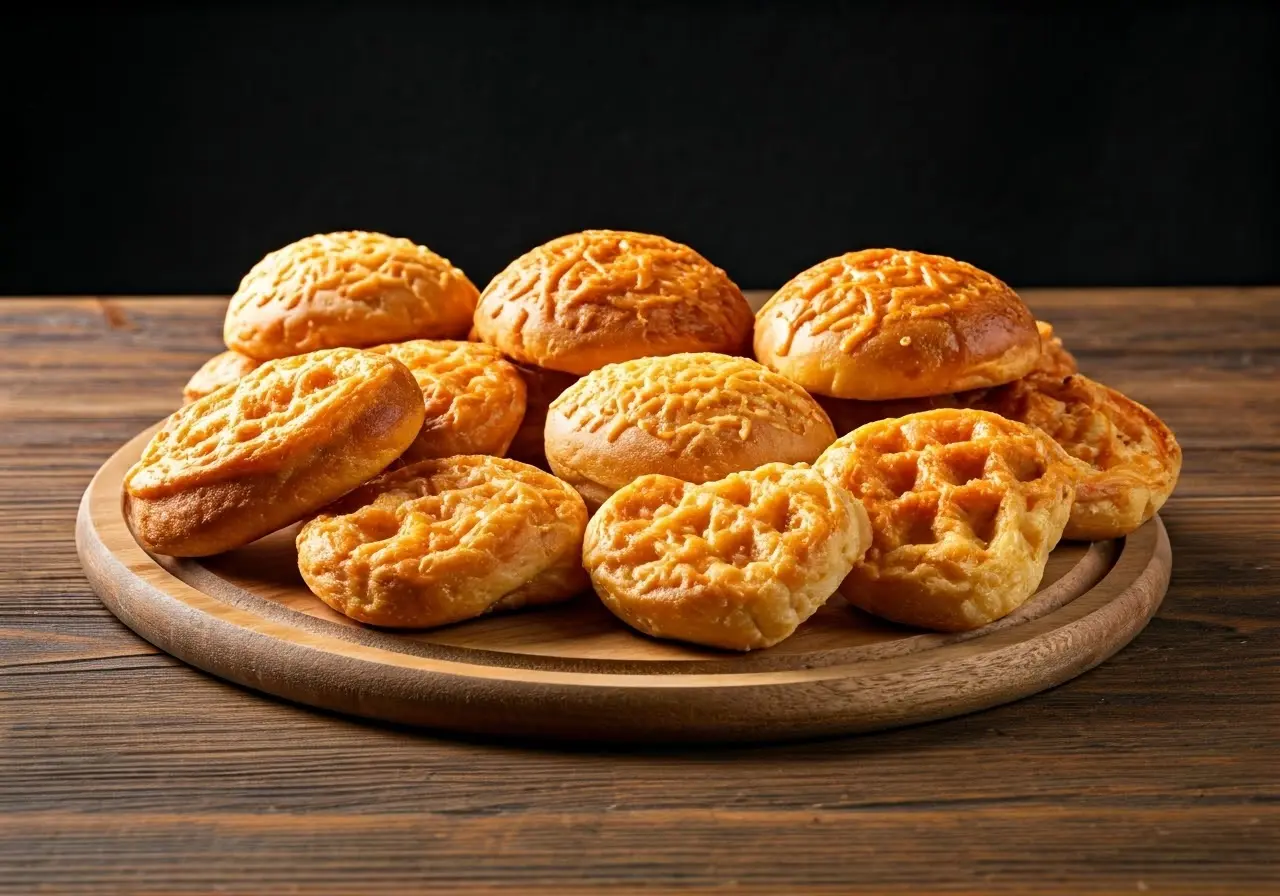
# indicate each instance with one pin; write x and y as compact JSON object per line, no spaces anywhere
{"x":1055,"y":360}
{"x":281,"y":410}
{"x":884,"y":324}
{"x":474,"y":397}
{"x":965,"y":507}
{"x":445,"y":540}
{"x":350,"y":288}
{"x":601,"y":296}
{"x":280,"y":443}
{"x":696,"y":416}
{"x":739,"y":563}
{"x":220,"y":370}
{"x":1130,"y":458}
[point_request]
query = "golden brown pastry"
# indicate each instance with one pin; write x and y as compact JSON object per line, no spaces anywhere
{"x":475,"y":398}
{"x":1129,"y":459}
{"x":884,"y":324}
{"x":543,"y":386}
{"x":1055,"y":360}
{"x":965,"y":507}
{"x":445,"y":540}
{"x":288,"y":438}
{"x":598,"y":297}
{"x":220,"y":370}
{"x":695,"y":416}
{"x":351,"y":288}
{"x":738,"y":563}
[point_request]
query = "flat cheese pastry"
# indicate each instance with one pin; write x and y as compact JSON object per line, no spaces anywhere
{"x":445,"y":540}
{"x":738,"y":563}
{"x":286,"y":439}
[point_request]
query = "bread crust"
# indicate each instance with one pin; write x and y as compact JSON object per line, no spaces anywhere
{"x":349,"y":288}
{"x":599,"y":297}
{"x":696,"y":416}
{"x":739,"y":563}
{"x":288,"y":438}
{"x":445,"y":540}
{"x":474,"y":397}
{"x":885,"y":324}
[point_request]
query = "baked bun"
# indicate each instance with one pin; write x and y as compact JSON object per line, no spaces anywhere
{"x":351,"y":288}
{"x":287,"y":439}
{"x":695,"y":416}
{"x":965,"y":507}
{"x":474,"y":397}
{"x":542,"y":386}
{"x":1129,"y":459}
{"x":885,"y":324}
{"x":445,"y":540}
{"x":220,"y":370}
{"x":738,"y":563}
{"x":598,"y":297}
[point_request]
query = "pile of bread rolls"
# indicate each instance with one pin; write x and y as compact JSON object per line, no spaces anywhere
{"x":608,"y":414}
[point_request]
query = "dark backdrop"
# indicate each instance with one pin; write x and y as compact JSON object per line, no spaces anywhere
{"x":163,"y":150}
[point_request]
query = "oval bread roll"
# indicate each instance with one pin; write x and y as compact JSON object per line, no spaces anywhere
{"x":696,"y":416}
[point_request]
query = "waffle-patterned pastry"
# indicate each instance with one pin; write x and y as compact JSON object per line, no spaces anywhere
{"x":965,"y":507}
{"x":1129,"y":460}
{"x":220,"y":370}
{"x":475,"y":398}
{"x":445,"y":540}
{"x":738,"y":564}
{"x":288,"y":438}
{"x":598,"y":297}
{"x":885,"y":324}
{"x":350,"y":288}
{"x":695,"y":416}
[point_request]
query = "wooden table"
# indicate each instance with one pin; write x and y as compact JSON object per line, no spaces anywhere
{"x":123,"y":770}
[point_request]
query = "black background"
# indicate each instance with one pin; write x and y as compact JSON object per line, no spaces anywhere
{"x":155,"y":149}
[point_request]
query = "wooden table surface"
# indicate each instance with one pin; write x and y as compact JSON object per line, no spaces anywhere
{"x":122,"y":770}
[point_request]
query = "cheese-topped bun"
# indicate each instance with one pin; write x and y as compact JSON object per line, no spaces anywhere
{"x":886,"y":324}
{"x":352,"y":288}
{"x":695,"y":416}
{"x":598,"y":297}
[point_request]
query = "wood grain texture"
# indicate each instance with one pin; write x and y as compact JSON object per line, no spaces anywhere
{"x":122,"y":770}
{"x":575,"y":674}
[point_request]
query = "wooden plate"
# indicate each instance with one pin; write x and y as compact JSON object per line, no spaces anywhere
{"x":575,"y":672}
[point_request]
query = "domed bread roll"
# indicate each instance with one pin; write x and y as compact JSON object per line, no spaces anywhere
{"x":475,"y":398}
{"x":965,"y":507}
{"x":220,"y":370}
{"x":1129,"y":460}
{"x":285,"y":440}
{"x":445,"y":540}
{"x":696,"y":416}
{"x":884,"y":324}
{"x":738,"y":564}
{"x":599,"y":297}
{"x":543,"y":386}
{"x":351,"y":288}
{"x":847,"y":414}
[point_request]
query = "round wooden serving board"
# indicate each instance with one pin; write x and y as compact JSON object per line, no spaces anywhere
{"x":575,"y":672}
